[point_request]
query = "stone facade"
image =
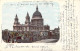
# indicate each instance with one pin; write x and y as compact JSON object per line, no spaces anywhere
{"x":36,"y":23}
{"x":30,"y":31}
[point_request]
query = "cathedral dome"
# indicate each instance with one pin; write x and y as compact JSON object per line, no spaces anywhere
{"x":37,"y":13}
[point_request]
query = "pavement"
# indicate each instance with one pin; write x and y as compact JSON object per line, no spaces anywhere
{"x":47,"y":41}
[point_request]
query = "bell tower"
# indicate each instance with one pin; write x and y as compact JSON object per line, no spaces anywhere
{"x":16,"y":20}
{"x":16,"y":23}
{"x":27,"y":22}
{"x":27,"y":19}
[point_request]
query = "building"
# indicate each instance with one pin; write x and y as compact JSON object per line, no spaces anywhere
{"x":36,"y":24}
{"x":30,"y":31}
{"x":55,"y":33}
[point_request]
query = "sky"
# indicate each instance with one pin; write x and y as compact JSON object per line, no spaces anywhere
{"x":50,"y":13}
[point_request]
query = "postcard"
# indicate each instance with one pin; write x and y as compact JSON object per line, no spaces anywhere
{"x":39,"y":25}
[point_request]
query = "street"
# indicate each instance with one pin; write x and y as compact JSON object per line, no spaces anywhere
{"x":46,"y":41}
